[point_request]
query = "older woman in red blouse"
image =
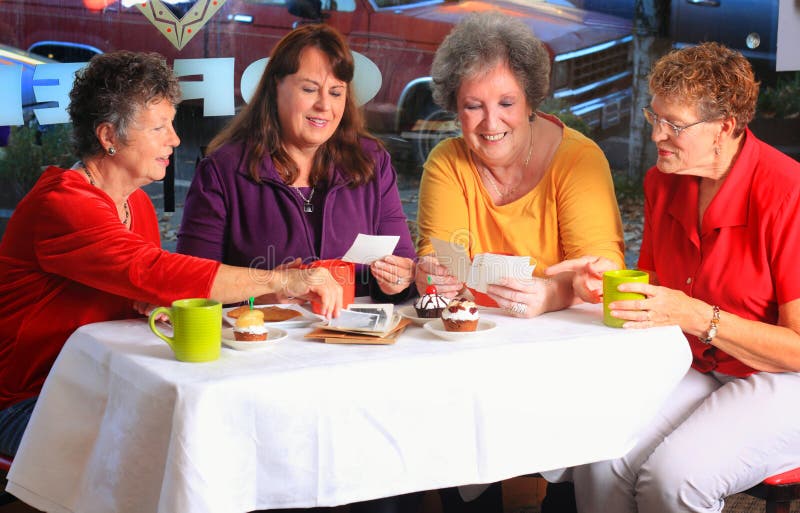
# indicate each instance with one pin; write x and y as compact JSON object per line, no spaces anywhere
{"x":721,"y":239}
{"x":83,"y":245}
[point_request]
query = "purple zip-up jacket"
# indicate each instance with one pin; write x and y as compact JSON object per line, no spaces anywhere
{"x":230,"y":218}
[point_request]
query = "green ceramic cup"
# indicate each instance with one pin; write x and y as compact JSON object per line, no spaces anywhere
{"x":197,"y":328}
{"x":612,"y":280}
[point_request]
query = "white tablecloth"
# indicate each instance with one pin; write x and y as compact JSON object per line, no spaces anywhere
{"x":121,"y":426}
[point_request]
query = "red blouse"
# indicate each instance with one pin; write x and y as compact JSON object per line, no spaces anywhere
{"x":66,"y":260}
{"x":745,"y":257}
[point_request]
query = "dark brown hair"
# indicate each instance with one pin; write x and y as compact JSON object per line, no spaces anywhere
{"x":257,"y":124}
{"x":111,"y":89}
{"x":717,"y":80}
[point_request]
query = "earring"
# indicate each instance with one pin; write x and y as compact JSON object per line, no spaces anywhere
{"x":716,"y":150}
{"x":111,"y":151}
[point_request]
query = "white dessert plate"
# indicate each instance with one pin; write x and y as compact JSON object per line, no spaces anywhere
{"x":304,"y":319}
{"x":273,"y":335}
{"x":436,"y":327}
{"x":410,"y":313}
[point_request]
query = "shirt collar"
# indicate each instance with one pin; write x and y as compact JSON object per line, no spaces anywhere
{"x":731,"y":205}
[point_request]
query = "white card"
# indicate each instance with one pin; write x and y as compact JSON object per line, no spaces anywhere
{"x":489,"y":268}
{"x":454,"y":257}
{"x":368,"y":248}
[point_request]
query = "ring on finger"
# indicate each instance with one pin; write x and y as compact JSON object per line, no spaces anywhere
{"x":398,"y":281}
{"x":519,"y":308}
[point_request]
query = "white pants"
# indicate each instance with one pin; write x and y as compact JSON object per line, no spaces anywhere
{"x":715,"y":436}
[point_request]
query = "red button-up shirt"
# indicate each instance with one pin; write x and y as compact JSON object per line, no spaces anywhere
{"x":745,"y":258}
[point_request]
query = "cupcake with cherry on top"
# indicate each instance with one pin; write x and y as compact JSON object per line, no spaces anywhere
{"x":250,"y":327}
{"x":431,"y":304}
{"x":461,"y":314}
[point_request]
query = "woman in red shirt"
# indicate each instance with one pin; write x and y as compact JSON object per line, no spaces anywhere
{"x":83,"y":246}
{"x":721,"y":240}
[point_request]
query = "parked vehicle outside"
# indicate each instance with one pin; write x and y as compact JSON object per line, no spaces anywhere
{"x":591,"y":52}
{"x":747,"y":26}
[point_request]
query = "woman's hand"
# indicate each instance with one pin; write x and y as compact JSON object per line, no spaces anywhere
{"x":587,"y":281}
{"x":662,"y":306}
{"x":447,"y":285}
{"x":268,"y":299}
{"x":393,"y":273}
{"x":312,"y":284}
{"x":522,"y":298}
{"x":145,"y":308}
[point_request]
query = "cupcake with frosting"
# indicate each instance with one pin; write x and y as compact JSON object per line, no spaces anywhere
{"x":250,"y":326}
{"x":431,"y":304}
{"x":461,"y":314}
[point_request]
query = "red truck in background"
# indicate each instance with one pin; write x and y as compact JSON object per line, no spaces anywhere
{"x":591,"y":52}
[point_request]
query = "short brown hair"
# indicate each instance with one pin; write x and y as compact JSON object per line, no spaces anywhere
{"x":257,"y":124}
{"x":717,"y":80}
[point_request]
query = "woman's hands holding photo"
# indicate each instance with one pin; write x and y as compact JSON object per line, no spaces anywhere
{"x":447,"y":285}
{"x":521,"y":297}
{"x":393,"y":273}
{"x":587,"y":282}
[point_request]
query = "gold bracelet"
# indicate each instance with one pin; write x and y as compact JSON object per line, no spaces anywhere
{"x":712,"y":329}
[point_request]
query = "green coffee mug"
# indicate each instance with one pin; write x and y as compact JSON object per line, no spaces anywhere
{"x":612,"y":280}
{"x":197,"y":328}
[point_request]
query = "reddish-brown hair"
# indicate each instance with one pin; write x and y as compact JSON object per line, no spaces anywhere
{"x":717,"y":80}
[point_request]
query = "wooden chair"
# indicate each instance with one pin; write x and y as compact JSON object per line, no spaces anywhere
{"x":5,"y":465}
{"x":779,"y":491}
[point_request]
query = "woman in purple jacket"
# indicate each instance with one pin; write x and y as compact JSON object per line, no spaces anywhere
{"x":295,"y":177}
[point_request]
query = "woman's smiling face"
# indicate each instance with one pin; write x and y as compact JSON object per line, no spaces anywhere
{"x":310,"y":101}
{"x":494,"y":115}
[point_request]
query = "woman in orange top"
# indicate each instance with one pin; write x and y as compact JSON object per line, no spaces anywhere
{"x":518,"y":181}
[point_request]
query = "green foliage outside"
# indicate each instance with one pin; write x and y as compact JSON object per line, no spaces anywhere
{"x":783,"y":100}
{"x":29,"y":152}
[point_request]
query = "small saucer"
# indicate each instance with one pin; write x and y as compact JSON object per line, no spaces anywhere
{"x":273,"y":335}
{"x":436,"y":327}
{"x":410,"y":313}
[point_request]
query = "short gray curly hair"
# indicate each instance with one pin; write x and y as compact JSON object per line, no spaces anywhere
{"x":111,"y":89}
{"x":479,"y":42}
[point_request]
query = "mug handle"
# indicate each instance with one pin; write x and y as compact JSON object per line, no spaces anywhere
{"x":152,"y":321}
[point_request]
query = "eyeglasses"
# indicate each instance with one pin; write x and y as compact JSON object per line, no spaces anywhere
{"x":654,"y":119}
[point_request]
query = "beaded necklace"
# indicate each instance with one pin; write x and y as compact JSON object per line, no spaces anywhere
{"x":124,"y":205}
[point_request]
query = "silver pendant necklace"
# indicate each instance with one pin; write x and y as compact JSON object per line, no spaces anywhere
{"x":307,"y":206}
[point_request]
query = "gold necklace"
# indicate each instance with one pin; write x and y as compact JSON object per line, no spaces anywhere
{"x":124,"y":205}
{"x":513,"y":189}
